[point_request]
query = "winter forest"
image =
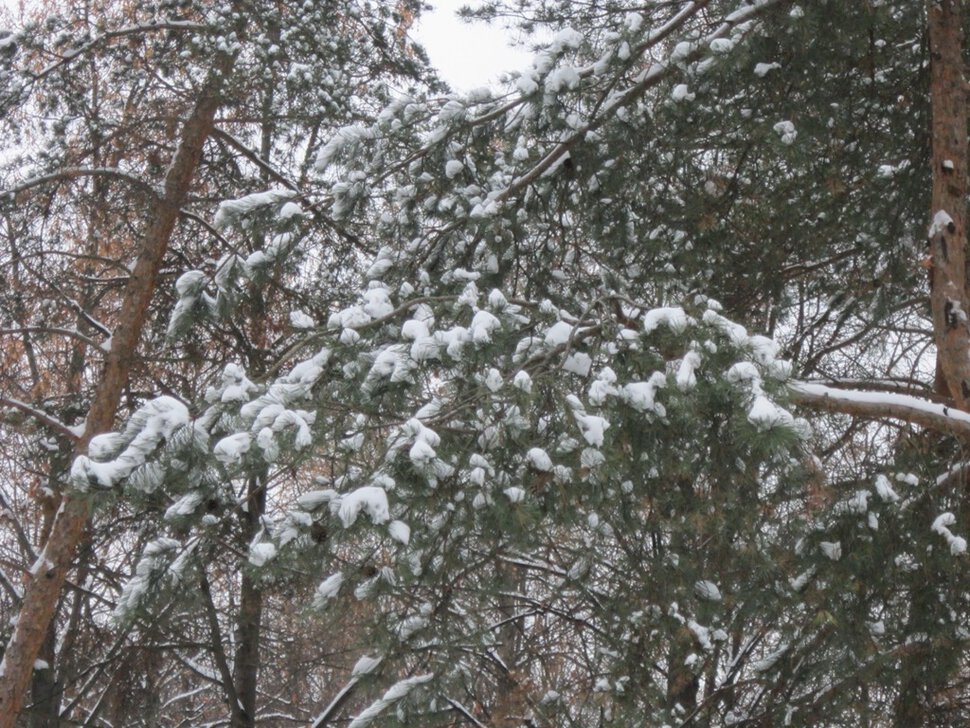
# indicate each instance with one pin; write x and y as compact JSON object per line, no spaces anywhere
{"x":631,"y":391}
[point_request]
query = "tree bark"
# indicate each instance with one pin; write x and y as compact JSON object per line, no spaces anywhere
{"x":948,"y":233}
{"x":50,"y":572}
{"x":948,"y":294}
{"x":249,"y":621}
{"x":45,"y":690}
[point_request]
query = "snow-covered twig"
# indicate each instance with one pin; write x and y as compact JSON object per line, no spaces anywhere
{"x":41,"y":416}
{"x":69,"y":173}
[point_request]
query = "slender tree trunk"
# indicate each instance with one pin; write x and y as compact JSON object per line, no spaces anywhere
{"x":948,"y":233}
{"x":45,"y":688}
{"x":49,"y":574}
{"x":249,"y":621}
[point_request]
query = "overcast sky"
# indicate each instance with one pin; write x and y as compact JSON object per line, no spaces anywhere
{"x":467,"y":55}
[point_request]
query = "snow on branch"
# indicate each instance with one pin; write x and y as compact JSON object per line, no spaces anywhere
{"x":156,"y":26}
{"x":651,"y":76}
{"x":41,"y":416}
{"x":114,"y":456}
{"x":69,"y":173}
{"x":881,"y":405}
{"x":395,"y":693}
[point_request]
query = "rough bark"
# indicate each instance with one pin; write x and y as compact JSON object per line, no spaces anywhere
{"x":43,"y":590}
{"x":948,"y":234}
{"x":948,"y":293}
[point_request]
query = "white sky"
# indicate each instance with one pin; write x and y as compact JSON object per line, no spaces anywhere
{"x":468,"y":55}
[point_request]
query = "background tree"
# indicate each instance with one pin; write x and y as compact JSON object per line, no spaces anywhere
{"x":78,"y":195}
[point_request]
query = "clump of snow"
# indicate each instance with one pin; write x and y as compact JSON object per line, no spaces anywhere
{"x":941,"y":221}
{"x":674,"y":318}
{"x":515,"y":494}
{"x":155,"y":557}
{"x":236,"y":386}
{"x":885,"y":489}
{"x":686,"y":378}
{"x":558,"y":334}
{"x":602,"y":387}
{"x":769,"y":660}
{"x":641,"y":396}
{"x":682,"y":93}
{"x":592,"y":427}
{"x":399,"y":531}
{"x":328,"y":589}
{"x":396,"y":692}
{"x":300,"y":320}
{"x":682,"y":52}
{"x":231,"y":211}
{"x":366,"y":665}
{"x":763,"y":69}
{"x":453,"y":168}
{"x":483,"y":325}
{"x":831,"y":549}
{"x":290,"y":210}
{"x":707,"y":590}
{"x":578,"y":363}
{"x":539,"y":459}
{"x":371,"y":499}
{"x":184,"y":506}
{"x":785,"y":131}
{"x":765,"y":414}
{"x":229,"y":450}
{"x":522,"y":381}
{"x":958,"y":544}
{"x":261,"y":553}
{"x":154,"y":422}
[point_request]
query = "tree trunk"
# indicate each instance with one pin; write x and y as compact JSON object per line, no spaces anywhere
{"x":948,"y":286}
{"x":249,"y":621}
{"x":948,"y":234}
{"x":45,"y":693}
{"x":50,"y":572}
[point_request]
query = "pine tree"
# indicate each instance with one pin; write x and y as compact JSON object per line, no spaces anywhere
{"x":536,"y":469}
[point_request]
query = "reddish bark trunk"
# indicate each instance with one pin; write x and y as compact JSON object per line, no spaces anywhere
{"x":948,"y":289}
{"x":43,"y":590}
{"x":948,"y":233}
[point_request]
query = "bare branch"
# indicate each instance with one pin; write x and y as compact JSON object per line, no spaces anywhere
{"x":69,"y":173}
{"x":883,"y":405}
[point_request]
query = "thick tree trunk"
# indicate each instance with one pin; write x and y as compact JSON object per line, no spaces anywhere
{"x":49,"y":574}
{"x":948,"y":291}
{"x":948,"y":233}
